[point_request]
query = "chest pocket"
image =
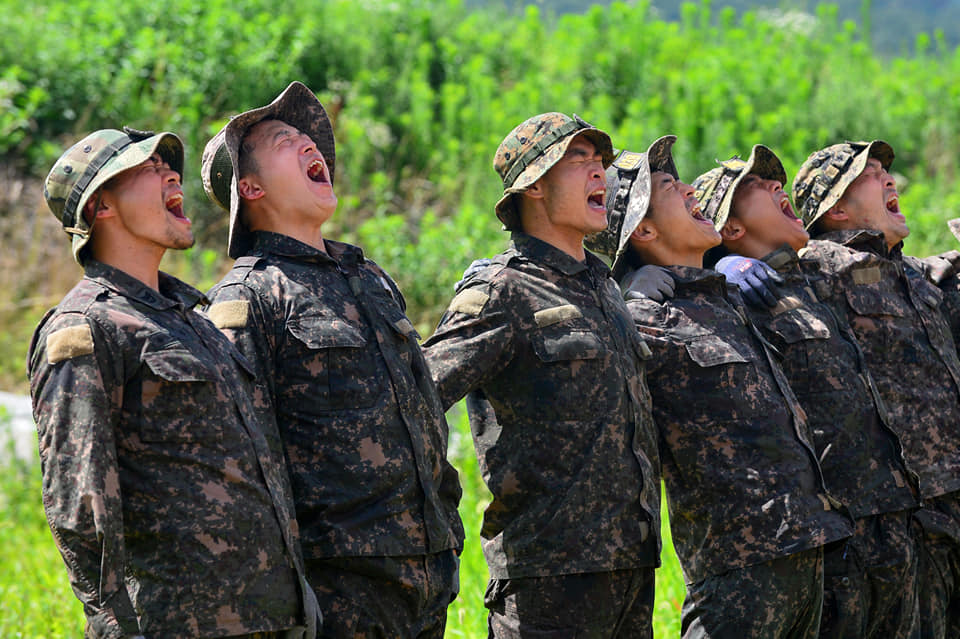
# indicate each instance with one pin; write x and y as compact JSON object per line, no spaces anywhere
{"x":710,"y":350}
{"x":567,"y":372}
{"x":796,"y":325}
{"x":326,"y":364}
{"x":868,"y":301}
{"x":176,"y":390}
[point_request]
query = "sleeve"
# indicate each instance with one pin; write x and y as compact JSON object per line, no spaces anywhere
{"x":77,"y":393}
{"x":473,"y":342}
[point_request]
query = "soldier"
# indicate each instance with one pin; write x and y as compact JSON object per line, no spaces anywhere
{"x":849,"y":202}
{"x":749,"y":513}
{"x":170,"y":508}
{"x":541,"y":344}
{"x":869,"y":579}
{"x":363,"y":431}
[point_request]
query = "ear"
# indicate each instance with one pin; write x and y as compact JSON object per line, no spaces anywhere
{"x":733,"y":230}
{"x":99,"y":206}
{"x":644,"y":233}
{"x":249,"y":189}
{"x":535,"y":190}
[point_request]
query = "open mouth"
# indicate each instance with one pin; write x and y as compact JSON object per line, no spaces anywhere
{"x":174,"y":204}
{"x":317,"y":172}
{"x":597,"y":198}
{"x":893,"y":204}
{"x":786,"y":208}
{"x":698,"y":215}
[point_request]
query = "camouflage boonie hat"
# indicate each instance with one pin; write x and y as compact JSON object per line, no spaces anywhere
{"x":715,"y":188}
{"x":298,"y":107}
{"x":826,"y":174}
{"x":628,"y":198}
{"x":88,"y":164}
{"x":534,"y":146}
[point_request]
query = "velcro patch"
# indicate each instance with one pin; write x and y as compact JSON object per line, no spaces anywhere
{"x":68,"y":343}
{"x":786,"y":304}
{"x":866,"y":275}
{"x":628,"y":160}
{"x":232,"y":314}
{"x":549,"y":316}
{"x":469,"y":302}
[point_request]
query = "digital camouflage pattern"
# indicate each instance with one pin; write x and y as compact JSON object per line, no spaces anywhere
{"x":825,"y":175}
{"x":168,"y":503}
{"x":559,"y":412}
{"x":939,"y":570}
{"x":777,"y":599}
{"x":870,"y":581}
{"x":363,"y":430}
{"x":860,"y":455}
{"x":743,"y":484}
{"x":715,"y":188}
{"x":532,"y":148}
{"x":385,"y":596}
{"x":895,"y":315}
{"x":628,"y":198}
{"x":616,"y":604}
{"x":90,"y":163}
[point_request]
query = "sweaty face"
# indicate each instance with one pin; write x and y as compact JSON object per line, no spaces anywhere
{"x":872,"y":202}
{"x":148,"y":202}
{"x":574,"y":190}
{"x":289,"y":171}
{"x":767,"y":215}
{"x":675,"y":212}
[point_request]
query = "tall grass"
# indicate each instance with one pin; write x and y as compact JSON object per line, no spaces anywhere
{"x":37,"y":601}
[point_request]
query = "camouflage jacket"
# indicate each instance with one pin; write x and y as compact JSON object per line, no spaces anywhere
{"x":559,"y":410}
{"x":170,"y":509}
{"x":743,"y":485}
{"x":363,"y":430}
{"x":896,"y":316}
{"x":860,"y":456}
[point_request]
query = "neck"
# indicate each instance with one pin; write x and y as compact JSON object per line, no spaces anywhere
{"x":661,"y":256}
{"x":747,"y":247}
{"x":308,"y":232}
{"x":143,"y":264}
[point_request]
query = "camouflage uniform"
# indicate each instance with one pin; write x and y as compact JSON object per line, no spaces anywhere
{"x":364,"y":434}
{"x":745,"y":493}
{"x":870,"y":578}
{"x":896,"y":316}
{"x":337,"y":356}
{"x":541,"y":344}
{"x":171,"y":512}
{"x":545,"y":341}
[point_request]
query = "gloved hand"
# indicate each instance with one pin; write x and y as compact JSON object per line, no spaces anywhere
{"x":475,"y":266}
{"x":647,"y":283}
{"x":940,"y":268}
{"x":756,"y":280}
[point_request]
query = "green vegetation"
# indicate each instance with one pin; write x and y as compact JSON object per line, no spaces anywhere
{"x":38,"y":601}
{"x":421,"y":92}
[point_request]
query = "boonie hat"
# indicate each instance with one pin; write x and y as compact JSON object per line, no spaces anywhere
{"x":628,"y":198}
{"x":715,"y":188}
{"x":298,"y":107}
{"x":825,"y":175}
{"x":532,"y":148}
{"x":88,"y":164}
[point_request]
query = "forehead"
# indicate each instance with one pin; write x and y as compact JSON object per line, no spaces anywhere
{"x":581,"y":143}
{"x":874,"y":163}
{"x":267,"y":129}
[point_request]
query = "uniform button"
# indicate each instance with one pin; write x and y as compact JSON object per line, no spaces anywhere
{"x":845,"y":581}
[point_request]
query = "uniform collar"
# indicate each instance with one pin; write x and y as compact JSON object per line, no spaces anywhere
{"x":173,"y":292}
{"x":545,"y":253}
{"x":866,"y":240}
{"x":783,"y":259}
{"x":698,"y":279}
{"x":286,"y":246}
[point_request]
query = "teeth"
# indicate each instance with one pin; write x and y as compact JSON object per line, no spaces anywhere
{"x":174,"y":200}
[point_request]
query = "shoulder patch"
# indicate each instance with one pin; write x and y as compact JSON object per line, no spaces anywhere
{"x":469,"y":302}
{"x":866,"y":275}
{"x":232,"y":314}
{"x":68,"y":343}
{"x":549,"y":316}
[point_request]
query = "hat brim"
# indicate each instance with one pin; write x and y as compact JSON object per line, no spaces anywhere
{"x":297,"y":106}
{"x":506,"y":207}
{"x":167,"y":144}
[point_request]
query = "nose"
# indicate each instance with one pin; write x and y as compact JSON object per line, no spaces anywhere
{"x":686,"y":189}
{"x":308,"y":144}
{"x":888,"y":180}
{"x":169,"y":174}
{"x":774,"y":186}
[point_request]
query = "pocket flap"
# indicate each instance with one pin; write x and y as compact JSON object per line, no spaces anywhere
{"x":317,"y":331}
{"x":710,"y":350}
{"x":567,"y":346}
{"x":177,"y":365}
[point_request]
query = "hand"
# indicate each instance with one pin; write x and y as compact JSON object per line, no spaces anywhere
{"x":942,"y":267}
{"x":756,"y":280}
{"x":647,"y":283}
{"x":473,"y":269}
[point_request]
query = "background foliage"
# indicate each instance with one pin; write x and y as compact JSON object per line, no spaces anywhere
{"x":421,"y":92}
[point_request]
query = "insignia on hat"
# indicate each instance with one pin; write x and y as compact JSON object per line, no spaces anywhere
{"x":628,"y":160}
